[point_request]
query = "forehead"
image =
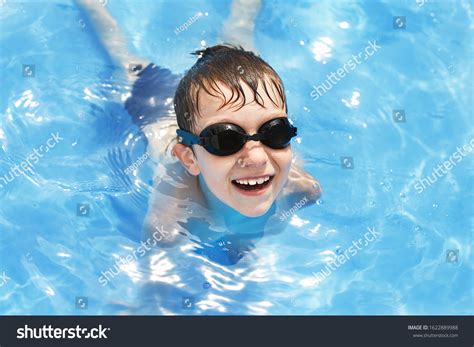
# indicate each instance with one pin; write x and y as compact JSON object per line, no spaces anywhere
{"x":212,"y":109}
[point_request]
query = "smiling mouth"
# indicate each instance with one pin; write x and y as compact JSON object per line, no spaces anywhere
{"x":253,"y":183}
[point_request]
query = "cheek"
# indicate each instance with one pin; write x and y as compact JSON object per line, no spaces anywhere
{"x":214,"y":168}
{"x":283,"y":160}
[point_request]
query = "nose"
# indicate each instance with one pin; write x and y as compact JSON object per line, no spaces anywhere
{"x":253,"y":155}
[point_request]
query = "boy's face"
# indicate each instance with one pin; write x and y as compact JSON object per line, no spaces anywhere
{"x":254,"y":161}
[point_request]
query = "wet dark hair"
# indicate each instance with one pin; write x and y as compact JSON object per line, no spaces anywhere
{"x":229,"y":65}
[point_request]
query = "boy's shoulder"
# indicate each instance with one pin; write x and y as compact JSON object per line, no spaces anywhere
{"x":161,"y":137}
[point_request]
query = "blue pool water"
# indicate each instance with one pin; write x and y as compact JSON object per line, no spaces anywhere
{"x":70,"y":218}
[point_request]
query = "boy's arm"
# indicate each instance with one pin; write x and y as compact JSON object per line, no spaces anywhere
{"x":238,"y":28}
{"x":301,"y":185}
{"x":111,"y":36}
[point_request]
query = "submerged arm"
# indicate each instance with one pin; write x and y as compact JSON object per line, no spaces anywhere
{"x":238,"y":28}
{"x":110,"y":35}
{"x":301,"y":186}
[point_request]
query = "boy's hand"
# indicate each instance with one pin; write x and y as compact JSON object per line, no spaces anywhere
{"x":301,"y":185}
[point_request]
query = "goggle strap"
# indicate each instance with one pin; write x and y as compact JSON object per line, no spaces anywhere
{"x":186,"y":138}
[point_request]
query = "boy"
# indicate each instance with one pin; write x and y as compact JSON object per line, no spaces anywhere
{"x":235,"y":171}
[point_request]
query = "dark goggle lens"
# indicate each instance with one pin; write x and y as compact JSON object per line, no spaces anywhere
{"x":225,"y":142}
{"x":278,"y":135}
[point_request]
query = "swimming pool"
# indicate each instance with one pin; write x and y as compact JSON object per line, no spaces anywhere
{"x":373,"y":244}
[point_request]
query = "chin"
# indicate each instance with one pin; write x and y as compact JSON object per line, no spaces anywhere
{"x":254,"y":211}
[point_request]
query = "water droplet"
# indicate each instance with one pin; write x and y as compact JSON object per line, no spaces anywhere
{"x":435,"y":205}
{"x":417,"y":228}
{"x":402,"y":195}
{"x":338,"y":251}
{"x":372,"y":203}
{"x":350,"y":137}
{"x":320,"y":201}
{"x":386,"y":185}
{"x":206,"y":285}
{"x":82,"y":23}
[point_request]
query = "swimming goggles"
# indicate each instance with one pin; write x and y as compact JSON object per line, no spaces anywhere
{"x":226,"y":138}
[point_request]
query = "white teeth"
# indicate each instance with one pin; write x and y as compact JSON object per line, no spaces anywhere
{"x":253,"y":182}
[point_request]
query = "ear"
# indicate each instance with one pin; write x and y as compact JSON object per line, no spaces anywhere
{"x":187,"y":158}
